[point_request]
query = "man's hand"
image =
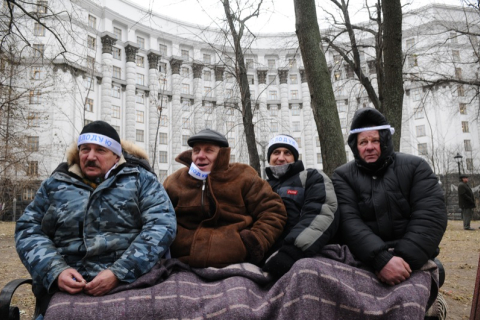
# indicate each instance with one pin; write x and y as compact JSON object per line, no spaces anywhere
{"x":102,"y":283}
{"x":395,"y":271}
{"x":71,"y":281}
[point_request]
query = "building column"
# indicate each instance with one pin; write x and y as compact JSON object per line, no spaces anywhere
{"x":131,"y":76}
{"x":176,"y":120}
{"x":309,"y":125}
{"x":198,"y":111}
{"x":108,"y":40}
{"x":285,"y":110}
{"x":262,"y":94}
{"x":153,"y":85}
{"x":219,"y":93}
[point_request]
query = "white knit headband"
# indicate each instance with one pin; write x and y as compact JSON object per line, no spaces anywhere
{"x":387,"y":126}
{"x":101,"y":140}
{"x":284,"y":140}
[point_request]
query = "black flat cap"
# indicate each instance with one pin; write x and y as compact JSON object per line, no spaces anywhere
{"x":208,"y":135}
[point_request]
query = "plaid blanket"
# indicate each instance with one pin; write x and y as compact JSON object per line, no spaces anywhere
{"x":332,"y":285}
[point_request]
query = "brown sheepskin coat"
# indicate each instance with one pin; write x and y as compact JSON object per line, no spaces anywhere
{"x":239,"y":220}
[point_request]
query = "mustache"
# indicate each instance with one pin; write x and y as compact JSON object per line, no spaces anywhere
{"x":91,"y":163}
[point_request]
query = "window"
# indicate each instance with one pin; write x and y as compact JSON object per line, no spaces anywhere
{"x":412,"y":60}
{"x":251,"y":79}
{"x":274,"y":111}
{"x":139,"y":135}
{"x":460,"y":90}
{"x":252,"y":95}
{"x":35,"y":97}
{"x":417,"y":94}
{"x":273,"y":126}
{"x":42,"y":6}
{"x":38,"y":30}
{"x":249,"y":63}
{"x":469,"y":162}
{"x":116,"y":92}
{"x":422,"y":149}
{"x":140,"y":116}
{"x":88,"y":83}
{"x":38,"y":50}
{"x":228,"y":111}
{"x":117,"y":73}
{"x":343,"y":123}
{"x":89,"y":105}
{"x":86,"y":121}
{"x":337,"y":75}
{"x":229,"y":125}
{"x":463,"y":108}
{"x":184,"y":72}
{"x":272,"y":95}
{"x":141,"y":42}
{"x":185,"y":123}
{"x":341,"y":106}
{"x":296,"y":126}
{"x":292,"y":63}
{"x":163,"y":83}
{"x":317,"y":142}
{"x":337,"y":58}
{"x":453,"y":37}
{"x":185,"y":88}
{"x":272,"y":79}
{"x":207,"y":75}
{"x":91,"y":42}
{"x":207,"y":59}
{"x":162,"y":156}
{"x":28,"y":194}
{"x":468,"y":145}
{"x":319,"y":158}
{"x":32,"y":169}
{"x":32,"y":143}
{"x":229,"y":77}
{"x":37,"y":73}
{"x":185,"y":104}
{"x":185,"y":54}
{"x":410,"y":43}
{"x":140,"y":79}
{"x":419,"y":113}
{"x":162,"y":67}
{"x":295,"y":110}
{"x":458,"y":73}
{"x":33,"y":119}
{"x":456,"y":55}
{"x":163,"y":50}
{"x":90,"y":62}
{"x":162,"y":175}
{"x":271,"y":64}
{"x":299,"y":141}
{"x":163,"y":138}
{"x":208,"y":107}
{"x":294,"y":94}
{"x":293,"y":79}
{"x":92,"y":21}
{"x":140,"y":61}
{"x":118,"y":33}
{"x":116,"y":112}
{"x":164,"y":121}
{"x":140,"y":98}
{"x":185,"y":140}
{"x":465,"y":127}
{"x":228,"y":93}
{"x":420,"y":130}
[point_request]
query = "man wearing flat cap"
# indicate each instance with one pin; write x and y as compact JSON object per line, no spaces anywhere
{"x":308,"y":195}
{"x":226,"y":213}
{"x":100,"y":219}
{"x":466,"y":201}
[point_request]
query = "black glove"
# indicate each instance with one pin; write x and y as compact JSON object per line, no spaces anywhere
{"x":283,"y":260}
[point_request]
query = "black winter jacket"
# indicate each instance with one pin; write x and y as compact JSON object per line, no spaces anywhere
{"x":466,"y":200}
{"x":400,"y":207}
{"x":312,"y":218}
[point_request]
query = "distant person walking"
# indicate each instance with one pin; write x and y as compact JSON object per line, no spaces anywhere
{"x":466,"y":201}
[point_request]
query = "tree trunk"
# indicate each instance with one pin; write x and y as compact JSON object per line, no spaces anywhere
{"x":319,"y":83}
{"x":393,"y":89}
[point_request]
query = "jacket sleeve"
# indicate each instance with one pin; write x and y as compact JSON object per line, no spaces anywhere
{"x":158,"y":231}
{"x":428,"y":218}
{"x":354,"y":232}
{"x":36,"y":250}
{"x":319,"y":219}
{"x":269,"y":214}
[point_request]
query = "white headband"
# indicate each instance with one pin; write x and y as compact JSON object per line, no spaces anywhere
{"x":283,"y":139}
{"x":101,"y":140}
{"x":387,"y":126}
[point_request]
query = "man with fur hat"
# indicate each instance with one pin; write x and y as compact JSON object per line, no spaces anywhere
{"x":98,"y":220}
{"x":311,"y":204}
{"x":392,"y":209}
{"x":466,"y":201}
{"x":226,"y":213}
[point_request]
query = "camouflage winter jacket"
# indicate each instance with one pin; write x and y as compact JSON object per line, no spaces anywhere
{"x":126,"y":224}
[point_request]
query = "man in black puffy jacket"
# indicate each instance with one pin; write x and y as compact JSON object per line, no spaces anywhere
{"x":311,"y":204}
{"x":392,"y":208}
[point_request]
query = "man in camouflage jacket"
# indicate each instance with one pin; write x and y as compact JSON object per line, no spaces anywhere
{"x":98,"y":220}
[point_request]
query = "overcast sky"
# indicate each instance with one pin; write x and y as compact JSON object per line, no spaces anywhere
{"x":278,"y":15}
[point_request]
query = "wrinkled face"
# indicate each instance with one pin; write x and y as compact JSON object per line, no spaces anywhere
{"x":368,"y":145}
{"x":204,"y":155}
{"x":95,"y":160}
{"x":281,"y":156}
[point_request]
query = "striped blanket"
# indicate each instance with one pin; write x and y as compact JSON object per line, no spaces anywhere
{"x":332,"y":285}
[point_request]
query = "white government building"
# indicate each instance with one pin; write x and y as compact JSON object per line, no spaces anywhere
{"x":144,"y":73}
